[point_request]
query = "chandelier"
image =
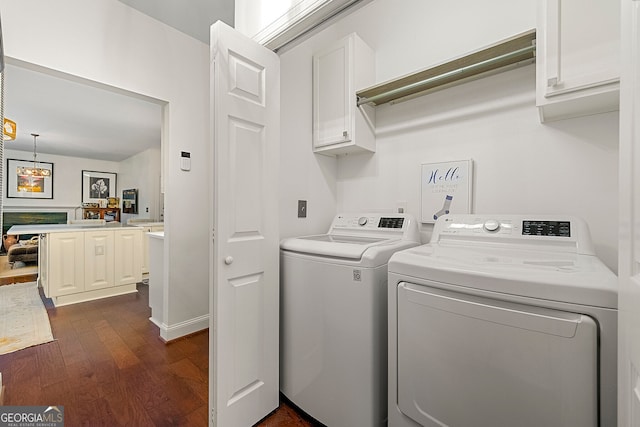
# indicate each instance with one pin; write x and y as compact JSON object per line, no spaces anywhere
{"x":34,"y":171}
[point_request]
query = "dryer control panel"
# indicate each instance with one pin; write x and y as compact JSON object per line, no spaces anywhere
{"x":546,"y":228}
{"x":559,"y":233}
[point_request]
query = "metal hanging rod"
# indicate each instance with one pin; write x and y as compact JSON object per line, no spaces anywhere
{"x":520,"y":49}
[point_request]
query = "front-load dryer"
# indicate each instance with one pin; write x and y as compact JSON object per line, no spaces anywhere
{"x":333,"y":338}
{"x":501,"y":321}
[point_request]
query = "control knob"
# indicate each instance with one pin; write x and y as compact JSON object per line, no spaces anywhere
{"x":491,"y":225}
{"x":362,"y":221}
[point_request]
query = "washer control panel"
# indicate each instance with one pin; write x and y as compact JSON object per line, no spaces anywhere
{"x":369,"y":221}
{"x":376,"y":225}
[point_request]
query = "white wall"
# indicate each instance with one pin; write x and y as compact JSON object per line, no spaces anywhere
{"x":303,"y":176}
{"x":110,"y":43}
{"x":521,"y":165}
{"x":67,"y":181}
{"x":142,"y":172}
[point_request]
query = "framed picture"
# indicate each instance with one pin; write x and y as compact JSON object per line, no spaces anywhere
{"x":98,"y":186}
{"x":29,"y":180}
{"x":446,"y":188}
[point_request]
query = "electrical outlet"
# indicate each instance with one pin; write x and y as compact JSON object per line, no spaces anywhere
{"x":302,"y":208}
{"x":401,"y":206}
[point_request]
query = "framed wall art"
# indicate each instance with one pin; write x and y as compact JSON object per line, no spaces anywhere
{"x":446,"y":188}
{"x":98,"y":186}
{"x":29,"y":180}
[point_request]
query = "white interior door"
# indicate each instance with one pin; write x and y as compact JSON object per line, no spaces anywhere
{"x":245,"y":108}
{"x":629,"y":248}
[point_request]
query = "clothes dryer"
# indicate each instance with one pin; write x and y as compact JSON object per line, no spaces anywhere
{"x":502,"y":320}
{"x":333,"y":321}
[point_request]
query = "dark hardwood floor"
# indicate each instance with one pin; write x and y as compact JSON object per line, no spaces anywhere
{"x":107,"y":366}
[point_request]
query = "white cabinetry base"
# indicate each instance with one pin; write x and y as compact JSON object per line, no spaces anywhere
{"x":93,"y":295}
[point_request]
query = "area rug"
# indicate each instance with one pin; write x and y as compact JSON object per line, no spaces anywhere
{"x":23,"y":319}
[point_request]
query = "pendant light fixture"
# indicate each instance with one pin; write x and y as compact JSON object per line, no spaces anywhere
{"x":34,"y":171}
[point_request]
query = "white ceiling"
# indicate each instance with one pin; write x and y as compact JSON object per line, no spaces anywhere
{"x":79,"y":120}
{"x":74,"y":119}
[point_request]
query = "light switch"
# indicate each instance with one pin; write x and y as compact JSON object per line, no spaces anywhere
{"x":99,"y":250}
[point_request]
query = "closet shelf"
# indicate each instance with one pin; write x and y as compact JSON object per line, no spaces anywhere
{"x":512,"y":52}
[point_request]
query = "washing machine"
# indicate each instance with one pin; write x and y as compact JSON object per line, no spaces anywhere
{"x":333,"y":337}
{"x":502,"y":320}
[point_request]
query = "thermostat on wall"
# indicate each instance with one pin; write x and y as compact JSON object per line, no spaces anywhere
{"x":185,"y":160}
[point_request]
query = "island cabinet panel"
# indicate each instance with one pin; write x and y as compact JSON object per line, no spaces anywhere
{"x":66,"y":263}
{"x":89,"y":263}
{"x":99,"y":258}
{"x":145,"y":244}
{"x":128,"y":266}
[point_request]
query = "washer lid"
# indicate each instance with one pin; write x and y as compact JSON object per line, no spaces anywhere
{"x":333,"y":245}
{"x":565,"y":277}
{"x":351,"y":235}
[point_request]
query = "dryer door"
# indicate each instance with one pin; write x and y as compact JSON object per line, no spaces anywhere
{"x":471,"y":361}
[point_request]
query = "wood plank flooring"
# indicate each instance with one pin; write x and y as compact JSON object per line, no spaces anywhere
{"x":107,"y":366}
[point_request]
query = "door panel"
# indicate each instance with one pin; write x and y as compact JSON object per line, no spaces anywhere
{"x":244,"y":346}
{"x":246,"y":152}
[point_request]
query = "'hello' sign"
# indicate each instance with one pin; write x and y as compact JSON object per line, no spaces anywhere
{"x":446,"y":188}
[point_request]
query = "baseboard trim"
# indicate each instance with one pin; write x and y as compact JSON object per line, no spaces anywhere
{"x":95,"y":294}
{"x":181,"y":329}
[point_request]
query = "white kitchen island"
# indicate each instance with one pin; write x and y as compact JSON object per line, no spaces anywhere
{"x":82,"y":262}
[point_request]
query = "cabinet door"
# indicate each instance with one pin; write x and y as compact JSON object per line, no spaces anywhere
{"x":128,"y":255}
{"x":578,"y":61}
{"x":43,"y":264}
{"x":145,"y":249}
{"x":580,"y":54}
{"x":66,"y":263}
{"x":99,"y":258}
{"x":332,"y":88}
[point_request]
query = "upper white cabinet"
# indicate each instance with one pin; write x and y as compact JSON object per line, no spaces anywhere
{"x":339,"y":125}
{"x":578,"y":58}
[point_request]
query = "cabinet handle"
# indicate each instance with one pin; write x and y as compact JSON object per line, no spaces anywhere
{"x":228,"y":260}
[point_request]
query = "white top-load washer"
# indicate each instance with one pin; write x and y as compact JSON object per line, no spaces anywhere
{"x":333,"y":340}
{"x":502,"y":320}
